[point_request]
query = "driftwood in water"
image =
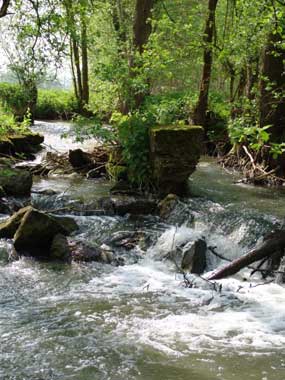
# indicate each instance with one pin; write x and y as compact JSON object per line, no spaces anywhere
{"x":275,"y":242}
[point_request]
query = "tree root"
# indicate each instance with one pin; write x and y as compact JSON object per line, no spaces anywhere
{"x":254,"y":170}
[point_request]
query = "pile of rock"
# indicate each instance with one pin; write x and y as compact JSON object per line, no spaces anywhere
{"x":45,"y":237}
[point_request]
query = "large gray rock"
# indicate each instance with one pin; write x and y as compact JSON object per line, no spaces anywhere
{"x":175,"y":151}
{"x":16,"y":182}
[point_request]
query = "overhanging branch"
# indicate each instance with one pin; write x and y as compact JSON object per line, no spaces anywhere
{"x":4,"y":8}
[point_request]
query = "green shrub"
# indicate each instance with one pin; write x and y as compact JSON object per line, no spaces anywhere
{"x":86,"y":128}
{"x":56,"y":104}
{"x":9,"y":125}
{"x":133,"y":136}
{"x":14,"y":99}
{"x":169,"y":108}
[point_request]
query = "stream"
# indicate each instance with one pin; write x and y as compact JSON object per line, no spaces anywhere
{"x":138,"y":321}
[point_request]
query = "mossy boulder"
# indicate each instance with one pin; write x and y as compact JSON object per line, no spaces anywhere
{"x":39,"y":234}
{"x":10,"y":226}
{"x":68,"y":224}
{"x":175,"y":152}
{"x":26,"y":143}
{"x":15,"y":182}
{"x":36,"y":232}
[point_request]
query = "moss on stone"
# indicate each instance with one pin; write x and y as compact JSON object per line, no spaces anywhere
{"x":175,"y":151}
{"x":10,"y":226}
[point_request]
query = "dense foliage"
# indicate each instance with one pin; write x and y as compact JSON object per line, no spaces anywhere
{"x":219,"y":63}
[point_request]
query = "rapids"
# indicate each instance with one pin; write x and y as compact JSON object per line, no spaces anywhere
{"x":139,"y":321}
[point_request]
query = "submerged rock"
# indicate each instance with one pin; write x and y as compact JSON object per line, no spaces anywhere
{"x":60,"y":249}
{"x":82,"y":252}
{"x":167,"y":205}
{"x":175,"y":151}
{"x":125,"y":204}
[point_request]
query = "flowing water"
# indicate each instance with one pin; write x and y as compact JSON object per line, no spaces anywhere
{"x":139,"y":321}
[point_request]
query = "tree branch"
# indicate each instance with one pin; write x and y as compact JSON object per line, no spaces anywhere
{"x":4,"y":8}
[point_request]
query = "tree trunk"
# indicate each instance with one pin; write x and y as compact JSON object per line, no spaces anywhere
{"x":200,"y":111}
{"x":141,"y":32}
{"x":272,"y":95}
{"x":73,"y":71}
{"x":4,"y":8}
{"x":78,"y":75}
{"x":142,"y":28}
{"x":252,"y":78}
{"x":275,"y":242}
{"x":77,"y":28}
{"x":84,"y":58}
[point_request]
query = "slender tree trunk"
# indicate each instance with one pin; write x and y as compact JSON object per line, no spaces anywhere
{"x":242,"y":84}
{"x":141,"y":31}
{"x":77,"y":27}
{"x":84,"y":56}
{"x":252,"y":78}
{"x":200,"y":111}
{"x":73,"y":71}
{"x":272,"y":95}
{"x":78,"y":76}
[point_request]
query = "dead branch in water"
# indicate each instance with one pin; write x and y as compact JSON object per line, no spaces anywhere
{"x":273,"y":243}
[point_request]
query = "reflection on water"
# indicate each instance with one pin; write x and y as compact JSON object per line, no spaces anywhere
{"x":211,"y":181}
{"x":138,"y":321}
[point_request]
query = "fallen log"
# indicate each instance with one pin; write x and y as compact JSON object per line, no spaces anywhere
{"x":272,"y":243}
